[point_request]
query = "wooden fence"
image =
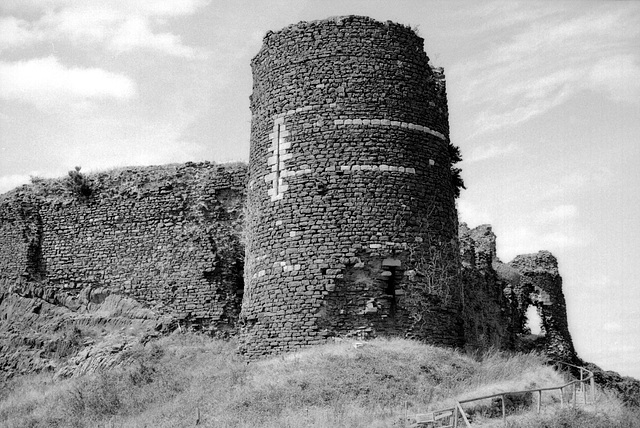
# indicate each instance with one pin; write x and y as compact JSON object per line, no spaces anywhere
{"x":581,"y":391}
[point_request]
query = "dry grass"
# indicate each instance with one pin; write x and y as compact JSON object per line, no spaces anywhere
{"x":186,"y":377}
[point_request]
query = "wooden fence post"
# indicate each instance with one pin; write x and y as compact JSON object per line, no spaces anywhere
{"x":504,"y":410}
{"x":462,"y":414}
{"x":455,"y":417}
{"x":539,"y":400}
{"x":561,"y":397}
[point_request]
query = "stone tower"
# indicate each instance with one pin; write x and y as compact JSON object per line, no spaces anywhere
{"x":351,"y":222}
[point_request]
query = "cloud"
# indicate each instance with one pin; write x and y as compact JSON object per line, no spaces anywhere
{"x":15,"y":32}
{"x":112,"y":140}
{"x":135,"y":33}
{"x":119,"y":26}
{"x":472,"y":214}
{"x":612,"y":327}
{"x":566,"y":184}
{"x":139,"y":150}
{"x":8,"y":182}
{"x":489,"y":151}
{"x":158,"y":7}
{"x":618,"y":76}
{"x":558,"y":214}
{"x":524,"y":240}
{"x":149,"y":7}
{"x":528,"y":69}
{"x":44,"y":82}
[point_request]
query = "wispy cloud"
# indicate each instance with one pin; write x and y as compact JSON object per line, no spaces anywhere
{"x":45,"y":82}
{"x":558,"y":214}
{"x":595,"y":51}
{"x":619,"y":76}
{"x":554,"y":229}
{"x":490,"y":151}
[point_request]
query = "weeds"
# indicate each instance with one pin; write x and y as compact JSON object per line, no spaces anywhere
{"x":186,"y":377}
{"x":79,"y":184}
{"x":577,"y":418}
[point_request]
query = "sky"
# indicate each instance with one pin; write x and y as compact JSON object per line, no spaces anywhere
{"x":544,"y":102}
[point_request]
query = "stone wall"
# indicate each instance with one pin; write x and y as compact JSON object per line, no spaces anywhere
{"x":154,"y":246}
{"x":350,"y":226}
{"x":351,"y":222}
{"x":540,"y":285}
{"x":497,"y":296}
{"x":168,"y":236}
{"x":487,"y":312}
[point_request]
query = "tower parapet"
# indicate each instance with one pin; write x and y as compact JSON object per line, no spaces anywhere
{"x":351,"y":223}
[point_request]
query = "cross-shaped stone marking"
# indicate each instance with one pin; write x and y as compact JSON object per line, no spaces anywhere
{"x":279,"y":148}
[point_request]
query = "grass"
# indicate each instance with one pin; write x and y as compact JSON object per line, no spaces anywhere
{"x":609,"y":415}
{"x":184,"y":378}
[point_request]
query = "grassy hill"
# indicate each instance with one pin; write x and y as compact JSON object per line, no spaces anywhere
{"x":184,"y":379}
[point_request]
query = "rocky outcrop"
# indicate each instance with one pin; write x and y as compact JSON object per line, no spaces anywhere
{"x":71,"y":337}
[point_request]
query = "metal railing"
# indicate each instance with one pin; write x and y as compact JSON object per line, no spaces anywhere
{"x":452,"y":417}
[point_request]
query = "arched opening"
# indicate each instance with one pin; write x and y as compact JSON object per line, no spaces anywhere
{"x":534,"y":322}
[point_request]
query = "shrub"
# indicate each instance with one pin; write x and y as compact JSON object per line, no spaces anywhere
{"x":79,"y":184}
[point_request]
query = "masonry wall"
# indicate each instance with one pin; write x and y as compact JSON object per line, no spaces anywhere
{"x":488,"y":313}
{"x":167,"y":236}
{"x":18,"y":234}
{"x":540,"y":285}
{"x":351,"y":224}
{"x":497,"y":296}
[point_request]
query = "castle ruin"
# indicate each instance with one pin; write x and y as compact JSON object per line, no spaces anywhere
{"x":349,"y":225}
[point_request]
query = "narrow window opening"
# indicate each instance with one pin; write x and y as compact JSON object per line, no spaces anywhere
{"x":391,"y":290}
{"x":276,"y":182}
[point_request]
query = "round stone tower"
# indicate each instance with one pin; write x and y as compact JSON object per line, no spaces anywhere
{"x":351,"y":226}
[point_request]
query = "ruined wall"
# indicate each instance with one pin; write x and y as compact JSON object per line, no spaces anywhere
{"x":487,"y":312}
{"x":541,"y":282}
{"x":19,"y":235}
{"x":497,"y":296}
{"x":351,"y":225}
{"x":168,"y":236}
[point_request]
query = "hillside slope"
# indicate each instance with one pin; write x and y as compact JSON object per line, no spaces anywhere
{"x":184,"y":378}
